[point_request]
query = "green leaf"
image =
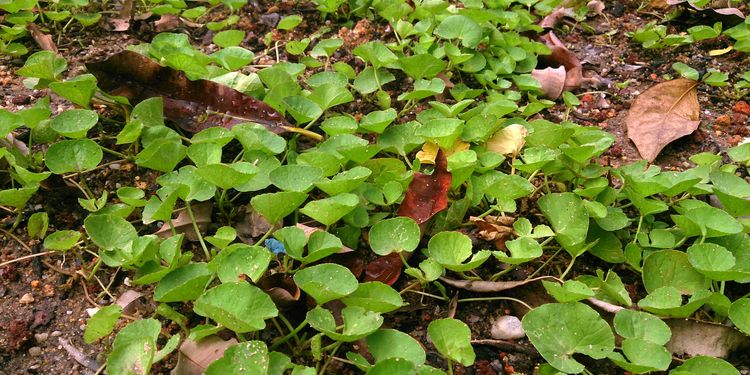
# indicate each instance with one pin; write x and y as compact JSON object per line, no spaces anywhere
{"x":421,"y":66}
{"x":109,"y":232}
{"x":739,"y":312}
{"x":641,"y":325}
{"x":74,"y":123}
{"x":276,"y":206}
{"x":302,"y":109}
{"x":451,"y":249}
{"x":326,"y":282}
{"x":460,"y":27}
{"x":239,"y":259}
{"x":233,"y":58}
{"x":289,"y":22}
{"x":62,"y":240}
{"x":559,"y":330}
{"x":44,"y":65}
{"x":101,"y":323}
{"x":667,"y":301}
{"x":452,"y":339}
{"x":569,"y":218}
{"x":73,"y":156}
{"x":223,"y":237}
{"x":686,"y":71}
{"x":184,"y":283}
{"x":78,"y":90}
{"x":358,"y":323}
{"x":671,"y":268}
{"x":134,"y":348}
{"x":705,"y":365}
{"x":229,"y":38}
{"x":329,"y":210}
{"x":240,"y":306}
{"x":570,"y":291}
{"x":393,"y":365}
{"x":390,"y":343}
{"x":295,"y":177}
{"x":37,"y":225}
{"x":375,"y":296}
{"x":344,"y":182}
{"x":394,"y":236}
{"x":227,"y":176}
{"x":162,"y":155}
{"x":246,"y":358}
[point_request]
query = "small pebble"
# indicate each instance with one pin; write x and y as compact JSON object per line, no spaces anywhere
{"x":115,"y":166}
{"x":35,"y":351}
{"x":507,"y":327}
{"x":56,"y":334}
{"x":26,"y":299}
{"x":41,"y":337}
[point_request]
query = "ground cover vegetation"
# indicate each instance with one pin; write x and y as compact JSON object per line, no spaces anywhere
{"x":336,"y":193}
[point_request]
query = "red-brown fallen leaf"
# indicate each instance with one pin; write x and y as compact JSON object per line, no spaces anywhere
{"x":427,"y":194}
{"x":662,"y":114}
{"x":494,"y":228}
{"x":385,"y":269}
{"x":44,"y":41}
{"x":192,"y":105}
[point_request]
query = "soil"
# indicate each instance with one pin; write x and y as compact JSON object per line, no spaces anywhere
{"x":44,"y":299}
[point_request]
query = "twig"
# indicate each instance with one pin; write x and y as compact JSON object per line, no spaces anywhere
{"x":25,"y":257}
{"x":13,"y":236}
{"x":78,"y":356}
{"x":58,"y":270}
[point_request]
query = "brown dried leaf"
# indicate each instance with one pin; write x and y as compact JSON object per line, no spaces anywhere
{"x":723,"y":8}
{"x":692,"y":337}
{"x":386,"y":269}
{"x":662,"y":114}
{"x":194,"y":356}
{"x":182,"y":224}
{"x":126,"y":300}
{"x":562,"y":56}
{"x":252,"y":225}
{"x":552,"y":80}
{"x":192,"y":105}
{"x":494,"y":228}
{"x":281,"y":288}
{"x":124,"y":16}
{"x":551,"y":20}
{"x":44,"y":41}
{"x":481,"y":286}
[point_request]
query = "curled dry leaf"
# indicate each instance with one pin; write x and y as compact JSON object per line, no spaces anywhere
{"x":692,"y":337}
{"x":281,"y":288}
{"x":127,"y":299}
{"x":662,"y":114}
{"x":494,"y":228}
{"x":481,"y":286}
{"x":252,"y":225}
{"x":192,"y":105}
{"x":562,"y":56}
{"x":124,"y":16}
{"x":182,"y":224}
{"x":195,"y":356}
{"x":44,"y":41}
{"x":508,"y":140}
{"x":552,"y":80}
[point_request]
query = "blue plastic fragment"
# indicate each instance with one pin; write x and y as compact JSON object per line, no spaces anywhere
{"x":275,"y":246}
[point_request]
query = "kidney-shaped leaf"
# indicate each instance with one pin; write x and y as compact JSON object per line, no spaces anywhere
{"x":73,"y":156}
{"x":375,"y":296}
{"x":394,"y":236}
{"x":451,"y":249}
{"x":109,"y":232}
{"x":239,"y":306}
{"x":326,"y":282}
{"x":452,"y":338}
{"x":185,"y":283}
{"x":247,"y":358}
{"x":390,"y":343}
{"x":329,"y":210}
{"x":559,"y":330}
{"x":358,"y":323}
{"x":276,"y":206}
{"x":569,"y":218}
{"x":739,"y":312}
{"x":671,"y":268}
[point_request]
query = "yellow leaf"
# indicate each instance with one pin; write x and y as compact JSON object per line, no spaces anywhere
{"x":429,"y":151}
{"x":508,"y":140}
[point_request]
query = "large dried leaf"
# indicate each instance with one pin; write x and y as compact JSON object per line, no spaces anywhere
{"x":183,"y":224}
{"x":427,"y":194}
{"x":281,"y":288}
{"x":662,"y":114}
{"x":386,"y":269}
{"x":692,"y":337}
{"x":552,"y":80}
{"x":723,"y":8}
{"x":194,"y":356}
{"x":192,"y":105}
{"x":124,"y":16}
{"x":44,"y":41}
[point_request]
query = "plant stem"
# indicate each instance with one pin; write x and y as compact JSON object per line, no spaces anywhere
{"x":570,"y":266}
{"x":197,"y":231}
{"x":292,"y":334}
{"x":336,"y":347}
{"x":482,"y":299}
{"x":96,"y":268}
